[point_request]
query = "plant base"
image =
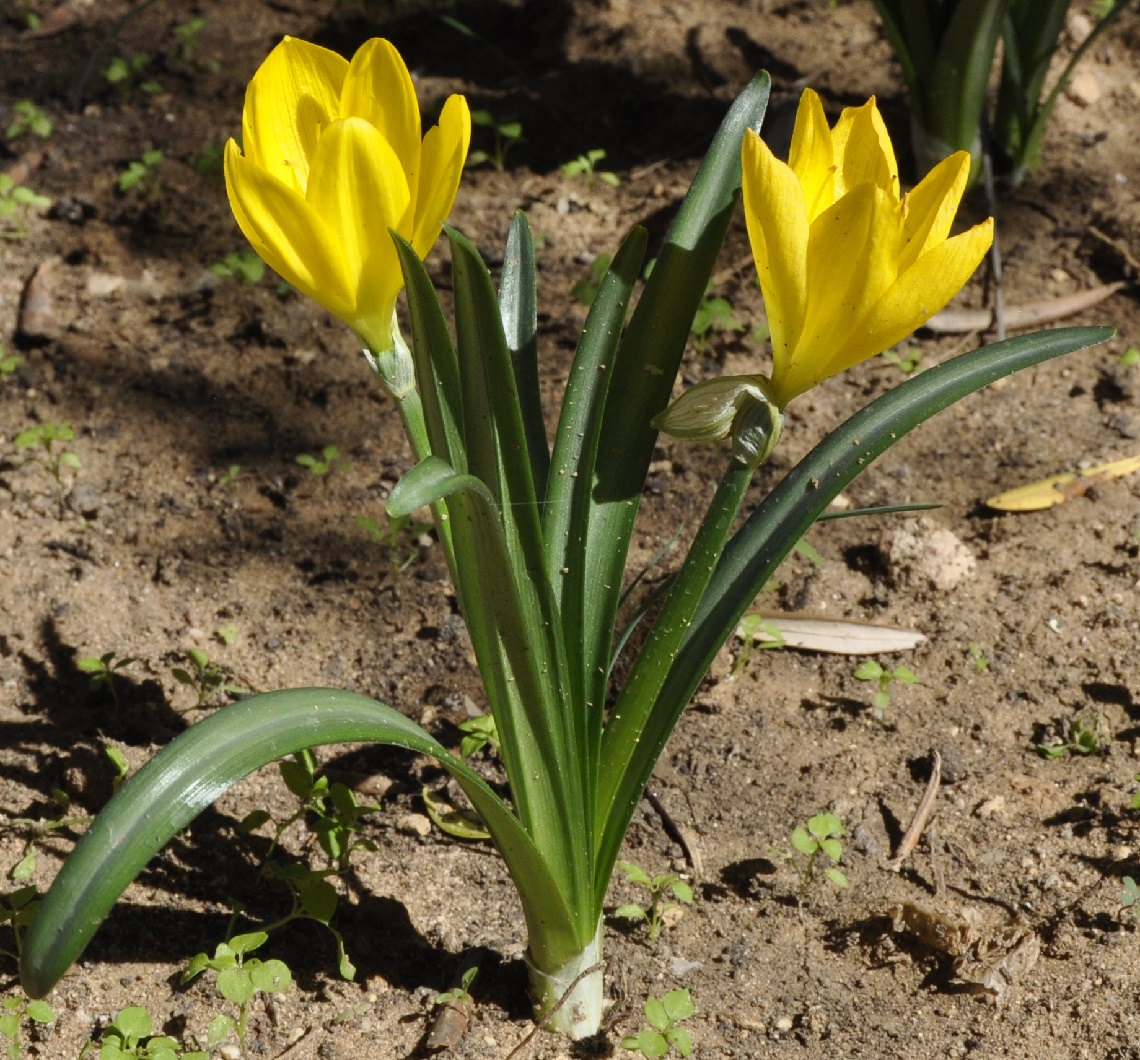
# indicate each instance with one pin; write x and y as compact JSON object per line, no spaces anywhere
{"x":580,"y":1014}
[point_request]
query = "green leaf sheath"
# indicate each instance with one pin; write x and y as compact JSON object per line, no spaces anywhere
{"x":771,"y":531}
{"x":648,"y":360}
{"x":201,"y":763}
{"x":518,"y":306}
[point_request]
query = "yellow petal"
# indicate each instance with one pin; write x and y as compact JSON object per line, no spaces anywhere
{"x":292,"y":239}
{"x":777,"y":218}
{"x":357,"y":187}
{"x":851,"y":263}
{"x":379,"y":89}
{"x":444,"y":152}
{"x":917,"y":295}
{"x":811,"y":156}
{"x":863,"y":150}
{"x":292,"y":97}
{"x":930,"y":208}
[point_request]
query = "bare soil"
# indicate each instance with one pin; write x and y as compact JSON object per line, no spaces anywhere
{"x":171,"y":376}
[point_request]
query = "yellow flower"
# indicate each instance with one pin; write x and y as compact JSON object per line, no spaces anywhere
{"x":331,"y":158}
{"x":847,"y":266}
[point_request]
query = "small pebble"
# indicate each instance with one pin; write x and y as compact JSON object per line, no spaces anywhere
{"x":229,"y":1051}
{"x":784,"y":1024}
{"x":1084,"y":89}
{"x":414,"y":824}
{"x":991,"y":807}
{"x":1121,"y":853}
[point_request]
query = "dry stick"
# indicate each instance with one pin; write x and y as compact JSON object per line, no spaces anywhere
{"x":553,"y":1009}
{"x":921,"y":815}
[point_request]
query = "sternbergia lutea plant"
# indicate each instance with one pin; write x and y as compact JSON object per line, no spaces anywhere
{"x":334,"y":186}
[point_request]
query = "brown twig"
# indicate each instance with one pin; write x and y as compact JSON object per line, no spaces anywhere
{"x":914,"y":833}
{"x":553,"y":1009}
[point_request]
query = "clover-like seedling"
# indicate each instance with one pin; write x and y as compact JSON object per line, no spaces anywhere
{"x":131,"y":1035}
{"x":981,"y":663}
{"x":242,"y":265}
{"x":908,"y":362}
{"x":506,"y":131}
{"x":102,"y":670}
{"x":660,"y":888}
{"x":663,"y":1033}
{"x":714,"y":314}
{"x":748,"y":630}
{"x":873,"y":671}
{"x":27,"y":118}
{"x":820,"y":838}
{"x":240,"y":978}
{"x":13,"y":1012}
{"x":327,"y":463}
{"x":206,"y":678}
{"x":45,"y":436}
{"x":140,"y":175}
{"x":586,"y":166}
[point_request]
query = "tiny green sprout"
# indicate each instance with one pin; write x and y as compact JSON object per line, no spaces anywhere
{"x":1087,"y":734}
{"x":122,"y":73}
{"x":750,"y":628}
{"x":1129,"y":357}
{"x":45,"y":436}
{"x":15,"y":200}
{"x":714,"y":313}
{"x":188,"y":41}
{"x":329,"y":462}
{"x":585,"y":290}
{"x":460,"y":995}
{"x":13,"y":1012}
{"x":34,"y":830}
{"x":18,"y":909}
{"x":1134,"y":804}
{"x":587,"y":166}
{"x":206,"y":678}
{"x":27,"y":118}
{"x":119,"y":761}
{"x":242,"y":265}
{"x":663,"y":1033}
{"x":140,"y":174}
{"x":228,"y":477}
{"x":506,"y":131}
{"x":479,"y":732}
{"x":209,"y":161}
{"x":131,"y":1034}
{"x":226,"y":634}
{"x":981,"y":663}
{"x":869,"y":670}
{"x":908,"y":362}
{"x":1130,"y":899}
{"x":240,"y":979}
{"x":660,"y":888}
{"x":398,"y":529}
{"x":102,"y":671}
{"x":9,"y":362}
{"x":821,"y":836}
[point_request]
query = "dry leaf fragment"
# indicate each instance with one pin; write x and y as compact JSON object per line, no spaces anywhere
{"x":1059,"y":488}
{"x":836,"y":636}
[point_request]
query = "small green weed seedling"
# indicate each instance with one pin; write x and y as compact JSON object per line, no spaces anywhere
{"x":102,"y":671}
{"x":714,"y":314}
{"x":460,"y":995}
{"x":242,"y":265}
{"x":18,"y":910}
{"x":140,"y":175}
{"x":240,"y":979}
{"x":507,"y":132}
{"x":908,"y":361}
{"x":228,"y":477}
{"x":123,"y":74}
{"x":328,"y":463}
{"x":396,"y":533}
{"x":451,"y":1015}
{"x":226,"y":634}
{"x":873,"y":671}
{"x":479,"y":732}
{"x":1130,"y":899}
{"x":120,"y":762}
{"x":208,"y":162}
{"x":34,"y":830}
{"x":663,"y":1033}
{"x":1129,"y":357}
{"x":1134,"y":804}
{"x":586,"y":289}
{"x":586,"y":166}
{"x":131,"y":1035}
{"x":660,"y":888}
{"x":206,"y":678}
{"x":9,"y":362}
{"x":28,"y":119}
{"x":749,"y":628}
{"x":1087,"y":734}
{"x":13,"y":1012}
{"x":981,"y":663}
{"x":15,"y":199}
{"x":188,"y":44}
{"x":820,"y":837}
{"x":44,"y":436}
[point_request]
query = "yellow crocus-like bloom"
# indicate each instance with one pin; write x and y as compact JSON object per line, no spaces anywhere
{"x":331,"y":158}
{"x":847,"y":266}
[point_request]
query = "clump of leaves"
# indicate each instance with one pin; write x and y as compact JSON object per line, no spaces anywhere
{"x":240,"y":978}
{"x":206,"y":678}
{"x":28,"y":119}
{"x":660,"y":889}
{"x":13,"y":1012}
{"x":819,"y":839}
{"x":15,"y":199}
{"x":245,"y":266}
{"x":131,"y":1034}
{"x":45,"y":437}
{"x":506,"y":131}
{"x":1087,"y":734}
{"x":102,"y":671}
{"x":749,"y":629}
{"x":870,"y":670}
{"x":663,"y":1033}
{"x":586,"y":166}
{"x":328,"y":463}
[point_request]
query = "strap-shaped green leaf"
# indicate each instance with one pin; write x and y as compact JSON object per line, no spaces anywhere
{"x":783,"y":517}
{"x":518,"y":305}
{"x":648,"y":360}
{"x":191,"y":772}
